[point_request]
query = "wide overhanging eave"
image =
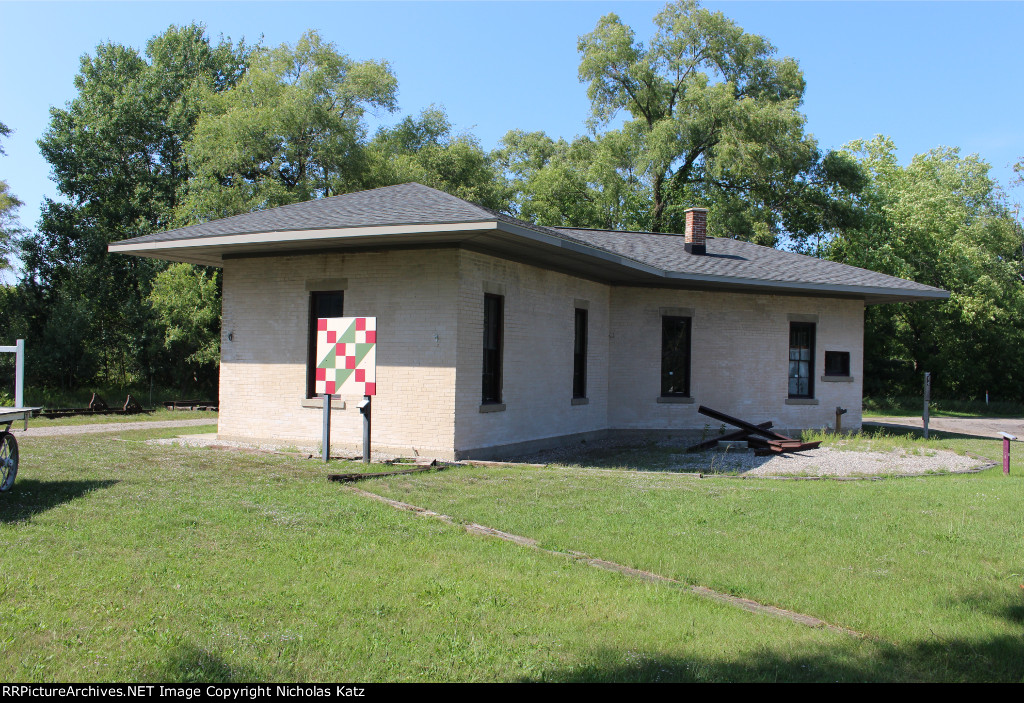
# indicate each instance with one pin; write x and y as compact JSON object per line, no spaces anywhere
{"x":501,"y":239}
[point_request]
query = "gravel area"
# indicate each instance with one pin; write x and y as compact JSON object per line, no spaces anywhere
{"x":210,"y":440}
{"x":16,"y":428}
{"x":826,"y":461}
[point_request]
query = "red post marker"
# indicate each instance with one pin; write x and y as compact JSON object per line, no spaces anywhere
{"x":1006,"y":452}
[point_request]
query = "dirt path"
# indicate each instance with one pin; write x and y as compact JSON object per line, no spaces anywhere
{"x":16,"y":428}
{"x":972,"y":426}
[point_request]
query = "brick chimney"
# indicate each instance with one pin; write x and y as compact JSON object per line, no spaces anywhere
{"x":696,"y":230}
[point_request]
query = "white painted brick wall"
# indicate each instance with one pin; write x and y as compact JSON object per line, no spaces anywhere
{"x":538,"y":354}
{"x":263,"y":370}
{"x":740,"y":358}
{"x":429,"y":305}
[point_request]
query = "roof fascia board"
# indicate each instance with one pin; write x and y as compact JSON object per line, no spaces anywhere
{"x":820,"y":287}
{"x":302,"y":235}
{"x":298,"y":236}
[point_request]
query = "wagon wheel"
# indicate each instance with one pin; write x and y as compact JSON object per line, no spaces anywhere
{"x":8,"y":460}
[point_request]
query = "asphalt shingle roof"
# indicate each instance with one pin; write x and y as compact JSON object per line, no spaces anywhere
{"x":733,"y":258}
{"x":415,"y":204}
{"x":406,"y":204}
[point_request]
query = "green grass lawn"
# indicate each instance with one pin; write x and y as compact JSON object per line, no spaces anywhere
{"x":933,"y":566}
{"x":914,"y":405}
{"x":123,"y":560}
{"x":160,"y":415}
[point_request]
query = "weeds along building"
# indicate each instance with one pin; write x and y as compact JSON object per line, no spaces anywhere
{"x":497,"y":336}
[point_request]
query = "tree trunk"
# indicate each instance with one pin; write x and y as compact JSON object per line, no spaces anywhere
{"x":658,"y":214}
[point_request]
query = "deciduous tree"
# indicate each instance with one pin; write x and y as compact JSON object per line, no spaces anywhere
{"x":424,"y":149}
{"x":943,"y":221}
{"x":185,"y":300}
{"x":291,"y":129}
{"x":116,"y":155}
{"x":9,"y":204}
{"x":710,"y":117}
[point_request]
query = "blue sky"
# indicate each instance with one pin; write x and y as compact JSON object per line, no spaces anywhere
{"x":925,"y":73}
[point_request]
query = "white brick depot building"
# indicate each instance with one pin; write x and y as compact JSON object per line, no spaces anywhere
{"x":496,"y":336}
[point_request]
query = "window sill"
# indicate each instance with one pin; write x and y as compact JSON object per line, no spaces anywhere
{"x":676,"y":399}
{"x":837,"y":379}
{"x":336,"y":404}
{"x":492,"y":407}
{"x":802,"y":401}
{"x":581,"y":401}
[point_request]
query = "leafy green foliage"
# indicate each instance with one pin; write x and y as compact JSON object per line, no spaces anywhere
{"x":9,"y":204}
{"x":584,"y":183}
{"x":424,"y":149}
{"x":186,"y":302}
{"x":290,"y":130}
{"x":942,"y":221}
{"x":711,"y":118}
{"x":116,"y":152}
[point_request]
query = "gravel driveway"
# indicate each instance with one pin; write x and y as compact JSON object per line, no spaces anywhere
{"x":972,"y":426}
{"x":16,"y":428}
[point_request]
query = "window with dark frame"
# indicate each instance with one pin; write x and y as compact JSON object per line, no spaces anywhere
{"x":675,"y":356}
{"x":801,"y":359}
{"x":837,"y":363}
{"x":321,"y":304}
{"x":579,"y":356}
{"x":493,"y":324}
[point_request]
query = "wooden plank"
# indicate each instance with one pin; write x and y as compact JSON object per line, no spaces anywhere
{"x":728,"y":437}
{"x":742,"y":424}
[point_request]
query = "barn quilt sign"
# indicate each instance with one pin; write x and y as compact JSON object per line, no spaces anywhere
{"x":346,"y":355}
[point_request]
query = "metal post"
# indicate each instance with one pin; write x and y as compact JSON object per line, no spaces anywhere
{"x":19,"y":374}
{"x":19,"y":378}
{"x":364,"y":408}
{"x":1007,"y":438}
{"x":840,"y":411}
{"x":327,"y":428}
{"x":927,"y":399}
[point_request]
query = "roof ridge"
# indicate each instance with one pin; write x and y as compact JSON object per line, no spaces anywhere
{"x":629,"y":231}
{"x":301,"y":203}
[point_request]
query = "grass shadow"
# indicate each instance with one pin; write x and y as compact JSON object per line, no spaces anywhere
{"x":936,"y":659}
{"x":890,"y":430}
{"x":1005,"y":606}
{"x":191,"y":664}
{"x":31,"y":497}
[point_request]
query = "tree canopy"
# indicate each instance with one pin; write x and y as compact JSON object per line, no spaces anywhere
{"x":701,"y":114}
{"x":291,"y":129}
{"x":187,"y":131}
{"x":710,"y":116}
{"x":9,"y":205}
{"x":117,"y":158}
{"x":425,"y":150}
{"x":943,"y":221}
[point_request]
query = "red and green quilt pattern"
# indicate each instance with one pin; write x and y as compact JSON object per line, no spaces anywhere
{"x":346,"y":353}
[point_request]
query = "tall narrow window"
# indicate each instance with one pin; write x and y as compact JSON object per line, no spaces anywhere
{"x":321,"y":304}
{"x":493,"y":323}
{"x":801,"y":359}
{"x":579,"y":356}
{"x":675,"y":356}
